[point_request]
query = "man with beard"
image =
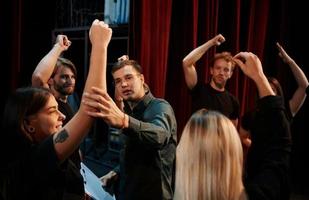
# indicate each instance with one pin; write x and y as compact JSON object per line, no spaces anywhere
{"x":59,"y":75}
{"x":213,"y":95}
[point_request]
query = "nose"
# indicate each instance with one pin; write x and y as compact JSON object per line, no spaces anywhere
{"x":61,"y":116}
{"x":71,"y":80}
{"x":124,"y":83}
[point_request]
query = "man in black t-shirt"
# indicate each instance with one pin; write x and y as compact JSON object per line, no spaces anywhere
{"x":213,"y":95}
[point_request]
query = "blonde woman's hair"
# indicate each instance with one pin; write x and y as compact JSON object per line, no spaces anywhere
{"x":209,"y":159}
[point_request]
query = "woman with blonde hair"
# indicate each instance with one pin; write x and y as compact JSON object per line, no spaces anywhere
{"x":210,"y":148}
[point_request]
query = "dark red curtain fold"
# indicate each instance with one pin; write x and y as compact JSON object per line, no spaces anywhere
{"x":256,"y":31}
{"x":152,"y":25}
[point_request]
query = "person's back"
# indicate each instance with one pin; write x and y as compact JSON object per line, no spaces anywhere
{"x":209,"y":159}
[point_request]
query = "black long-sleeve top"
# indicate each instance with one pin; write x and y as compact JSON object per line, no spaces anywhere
{"x":268,"y":158}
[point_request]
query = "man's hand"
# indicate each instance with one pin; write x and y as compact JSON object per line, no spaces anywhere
{"x":250,"y":64}
{"x":123,"y":57}
{"x":63,"y":42}
{"x":104,"y":107}
{"x":218,"y":39}
{"x":119,"y":100}
{"x":109,"y":178}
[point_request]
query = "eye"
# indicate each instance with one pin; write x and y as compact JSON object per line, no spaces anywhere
{"x":130,"y":77}
{"x":64,"y":76}
{"x":51,"y":111}
{"x":117,"y":81}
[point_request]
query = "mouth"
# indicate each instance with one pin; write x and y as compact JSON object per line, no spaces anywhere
{"x":220,"y":78}
{"x":59,"y":126}
{"x":127,"y":92}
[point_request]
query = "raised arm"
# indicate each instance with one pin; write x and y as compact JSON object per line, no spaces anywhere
{"x":188,"y":63}
{"x":299,"y":95}
{"x":268,"y":159}
{"x":68,"y":139}
{"x":45,"y":68}
{"x":251,"y":65}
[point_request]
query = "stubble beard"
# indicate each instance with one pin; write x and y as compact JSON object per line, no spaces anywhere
{"x":219,"y":84}
{"x":64,"y":91}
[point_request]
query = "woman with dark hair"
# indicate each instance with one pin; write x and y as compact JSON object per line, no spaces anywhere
{"x":292,"y":106}
{"x":299,"y":96}
{"x":36,"y":162}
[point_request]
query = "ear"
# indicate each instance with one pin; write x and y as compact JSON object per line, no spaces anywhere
{"x":29,"y":127}
{"x":231,"y":74}
{"x":142,"y":78}
{"x":211,"y":69}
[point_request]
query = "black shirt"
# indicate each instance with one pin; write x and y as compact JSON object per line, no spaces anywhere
{"x":73,"y":179}
{"x":33,"y":173}
{"x":204,"y":96}
{"x":65,"y":109}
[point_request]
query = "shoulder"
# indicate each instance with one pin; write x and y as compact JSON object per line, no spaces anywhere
{"x":160,"y":103}
{"x":200,"y":86}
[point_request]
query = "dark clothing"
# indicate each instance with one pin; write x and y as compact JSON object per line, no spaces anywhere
{"x":288,"y":112}
{"x":65,"y":109}
{"x":204,"y":96}
{"x":74,"y":180}
{"x":33,"y":174}
{"x":268,"y":158}
{"x":147,"y":161}
{"x":247,"y":119}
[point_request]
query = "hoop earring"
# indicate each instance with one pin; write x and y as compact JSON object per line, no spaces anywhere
{"x":31,"y":129}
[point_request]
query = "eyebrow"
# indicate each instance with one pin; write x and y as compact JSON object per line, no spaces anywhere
{"x":52,"y":107}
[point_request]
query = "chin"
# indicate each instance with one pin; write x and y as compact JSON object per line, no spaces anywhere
{"x":126,"y":98}
{"x":69,"y":92}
